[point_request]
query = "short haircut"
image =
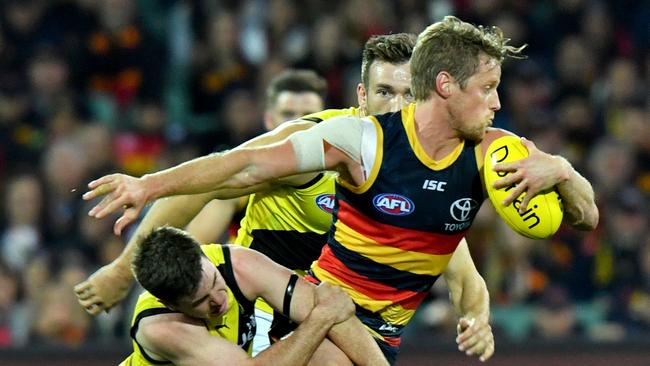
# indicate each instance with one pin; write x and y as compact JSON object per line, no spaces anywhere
{"x":455,"y":46}
{"x":297,"y":81}
{"x":168,"y":264}
{"x":392,"y":48}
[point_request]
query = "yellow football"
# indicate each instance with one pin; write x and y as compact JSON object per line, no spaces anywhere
{"x":545,"y":211}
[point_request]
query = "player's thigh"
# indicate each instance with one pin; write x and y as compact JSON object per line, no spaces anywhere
{"x":328,"y":354}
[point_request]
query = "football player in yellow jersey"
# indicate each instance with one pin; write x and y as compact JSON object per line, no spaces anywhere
{"x":385,"y":86}
{"x":199,"y":309}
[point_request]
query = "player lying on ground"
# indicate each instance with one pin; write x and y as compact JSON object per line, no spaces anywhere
{"x":199,"y":309}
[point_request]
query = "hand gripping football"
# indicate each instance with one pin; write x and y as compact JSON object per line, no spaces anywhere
{"x":544,"y":214}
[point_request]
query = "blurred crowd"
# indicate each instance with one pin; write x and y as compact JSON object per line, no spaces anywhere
{"x":89,"y":87}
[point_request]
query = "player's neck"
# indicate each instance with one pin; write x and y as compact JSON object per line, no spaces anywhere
{"x":433,"y":130}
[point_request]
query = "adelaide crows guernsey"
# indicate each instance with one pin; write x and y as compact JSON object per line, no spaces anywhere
{"x":394,"y":235}
{"x":237,"y":325}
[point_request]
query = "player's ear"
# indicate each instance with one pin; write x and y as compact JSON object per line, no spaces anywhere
{"x":268,"y":120}
{"x":362,"y":96}
{"x":444,"y":84}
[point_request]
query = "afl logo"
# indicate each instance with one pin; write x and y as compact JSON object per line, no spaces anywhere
{"x":326,"y":202}
{"x":393,"y":204}
{"x":461,"y":210}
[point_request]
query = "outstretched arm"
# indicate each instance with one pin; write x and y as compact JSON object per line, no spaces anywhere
{"x":470,"y":298}
{"x":324,"y":147}
{"x":541,"y":171}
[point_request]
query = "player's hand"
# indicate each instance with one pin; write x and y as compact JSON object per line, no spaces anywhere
{"x":536,"y":173}
{"x":119,"y":191}
{"x":475,"y":337}
{"x":333,"y":302}
{"x":104,"y":288}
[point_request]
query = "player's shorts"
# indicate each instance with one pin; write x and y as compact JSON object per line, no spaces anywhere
{"x":261,"y":341}
{"x":371,"y":321}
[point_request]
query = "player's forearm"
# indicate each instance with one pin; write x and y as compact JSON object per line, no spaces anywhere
{"x":298,"y":348}
{"x":213,"y":220}
{"x":471,"y":298}
{"x":578,"y":199}
{"x":199,"y":175}
{"x":236,"y":169}
{"x":357,"y":343}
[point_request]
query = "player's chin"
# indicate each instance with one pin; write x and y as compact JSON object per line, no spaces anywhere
{"x":475,"y":135}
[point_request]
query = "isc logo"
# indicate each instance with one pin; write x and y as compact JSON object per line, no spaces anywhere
{"x":326,"y":202}
{"x":393,"y":204}
{"x":434,"y":185}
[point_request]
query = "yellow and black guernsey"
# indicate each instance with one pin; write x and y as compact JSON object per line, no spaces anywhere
{"x":237,"y":325}
{"x":290,"y":224}
{"x":394,"y":235}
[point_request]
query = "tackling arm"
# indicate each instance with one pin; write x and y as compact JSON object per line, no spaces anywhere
{"x":186,"y":341}
{"x":349,"y":335}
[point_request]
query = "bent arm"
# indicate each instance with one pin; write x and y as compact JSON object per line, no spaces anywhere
{"x":350,"y":336}
{"x":541,"y":171}
{"x":186,"y":341}
{"x":577,"y":195}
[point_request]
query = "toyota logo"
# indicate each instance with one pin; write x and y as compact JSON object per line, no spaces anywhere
{"x":461,"y":209}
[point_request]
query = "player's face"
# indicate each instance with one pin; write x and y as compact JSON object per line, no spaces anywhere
{"x":290,"y":106}
{"x":211,"y":298}
{"x":472,"y":109}
{"x":388,"y":90}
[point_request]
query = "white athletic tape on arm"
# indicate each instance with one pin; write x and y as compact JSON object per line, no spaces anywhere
{"x":368,"y":146}
{"x":345,"y":133}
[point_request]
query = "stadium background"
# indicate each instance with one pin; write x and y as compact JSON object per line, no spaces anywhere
{"x":95,"y":86}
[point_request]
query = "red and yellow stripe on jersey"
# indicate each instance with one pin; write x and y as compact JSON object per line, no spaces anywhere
{"x":394,"y":235}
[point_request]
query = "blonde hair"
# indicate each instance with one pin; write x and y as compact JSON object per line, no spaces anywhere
{"x":455,"y":46}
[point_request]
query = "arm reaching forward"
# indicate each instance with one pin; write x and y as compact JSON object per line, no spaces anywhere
{"x":244,"y":167}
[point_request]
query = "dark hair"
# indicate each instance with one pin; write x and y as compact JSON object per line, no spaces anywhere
{"x":392,"y":48}
{"x":294,"y":80}
{"x":168,"y":264}
{"x":455,"y":46}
